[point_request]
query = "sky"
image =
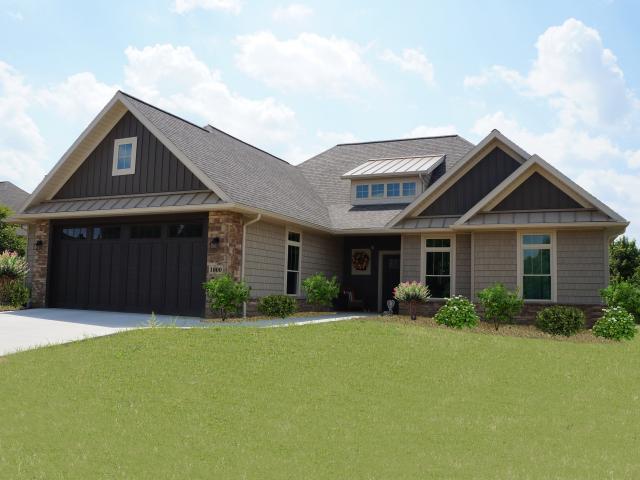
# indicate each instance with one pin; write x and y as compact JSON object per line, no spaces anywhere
{"x":561,"y":79}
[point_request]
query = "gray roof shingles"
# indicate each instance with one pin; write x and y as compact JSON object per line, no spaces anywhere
{"x":12,"y":196}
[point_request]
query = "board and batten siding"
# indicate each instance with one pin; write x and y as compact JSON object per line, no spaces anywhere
{"x":410,"y":258}
{"x":581,"y":266}
{"x":157,"y":169}
{"x":265,"y":257}
{"x":495,"y":260}
{"x":463,"y":265}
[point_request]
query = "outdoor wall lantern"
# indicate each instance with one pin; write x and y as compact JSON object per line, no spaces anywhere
{"x":215,"y":242}
{"x":39,"y":244}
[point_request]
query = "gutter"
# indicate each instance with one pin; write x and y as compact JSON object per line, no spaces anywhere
{"x":244,"y":256}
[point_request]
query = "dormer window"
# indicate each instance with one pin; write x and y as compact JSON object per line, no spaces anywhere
{"x":393,"y":189}
{"x":409,"y":189}
{"x":377,"y":190}
{"x":124,"y":156}
{"x":362,"y":191}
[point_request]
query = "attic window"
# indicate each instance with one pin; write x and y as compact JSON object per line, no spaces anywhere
{"x":124,"y":156}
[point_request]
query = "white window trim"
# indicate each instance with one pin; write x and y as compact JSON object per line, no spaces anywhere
{"x":554,"y":263}
{"x":385,"y":199}
{"x":116,"y":145}
{"x":288,"y":242}
{"x":452,"y":257}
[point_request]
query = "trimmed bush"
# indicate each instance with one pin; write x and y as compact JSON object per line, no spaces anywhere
{"x":320,"y":291}
{"x":277,"y":306}
{"x":13,"y":266}
{"x":500,"y":305}
{"x":559,"y":320}
{"x":14,"y":293}
{"x":625,"y":295}
{"x":616,"y":324}
{"x":225,"y":295}
{"x":458,"y":312}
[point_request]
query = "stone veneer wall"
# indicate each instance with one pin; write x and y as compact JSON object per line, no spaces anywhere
{"x":38,"y":259}
{"x":227,"y":226}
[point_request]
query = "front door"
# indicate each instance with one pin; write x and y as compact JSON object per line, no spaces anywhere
{"x":390,"y":278}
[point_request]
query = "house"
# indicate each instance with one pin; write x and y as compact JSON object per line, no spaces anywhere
{"x":13,"y":197}
{"x":145,"y":206}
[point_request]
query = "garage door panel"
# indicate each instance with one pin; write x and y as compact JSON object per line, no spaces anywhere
{"x":163,"y":274}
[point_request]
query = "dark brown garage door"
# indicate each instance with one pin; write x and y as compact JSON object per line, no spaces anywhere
{"x":130,"y":265}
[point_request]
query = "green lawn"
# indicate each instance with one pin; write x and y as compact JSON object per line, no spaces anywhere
{"x":344,"y":400}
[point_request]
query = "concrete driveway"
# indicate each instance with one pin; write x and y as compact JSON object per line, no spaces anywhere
{"x":25,"y":329}
{"x":37,"y":327}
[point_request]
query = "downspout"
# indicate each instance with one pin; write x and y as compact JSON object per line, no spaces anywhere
{"x":244,"y":256}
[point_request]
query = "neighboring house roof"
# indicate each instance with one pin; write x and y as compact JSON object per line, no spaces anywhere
{"x":12,"y":196}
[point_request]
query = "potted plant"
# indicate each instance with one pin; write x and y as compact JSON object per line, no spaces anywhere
{"x":412,"y":293}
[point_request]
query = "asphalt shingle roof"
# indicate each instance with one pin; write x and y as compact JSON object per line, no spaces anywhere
{"x":313,"y":191}
{"x":12,"y":196}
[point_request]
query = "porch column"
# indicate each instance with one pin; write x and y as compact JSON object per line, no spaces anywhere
{"x":38,"y":259}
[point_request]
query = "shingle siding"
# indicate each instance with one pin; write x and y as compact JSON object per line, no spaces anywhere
{"x":463,"y":265}
{"x":581,"y":266}
{"x":264,"y":262}
{"x":265,"y":257}
{"x":410,"y":258}
{"x":495,"y":258}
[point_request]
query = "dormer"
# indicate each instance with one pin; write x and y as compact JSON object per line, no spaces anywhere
{"x":392,"y":180}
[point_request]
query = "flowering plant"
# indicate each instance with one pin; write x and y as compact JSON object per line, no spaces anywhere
{"x":458,"y":312}
{"x":412,"y":293}
{"x":616,"y":323}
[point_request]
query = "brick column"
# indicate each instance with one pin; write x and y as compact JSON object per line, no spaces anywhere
{"x":38,"y":262}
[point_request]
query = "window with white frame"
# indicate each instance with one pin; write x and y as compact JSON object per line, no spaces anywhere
{"x":537,"y":266}
{"x":438,"y":266}
{"x":408,"y":189}
{"x":124,"y":156}
{"x":377,"y":190}
{"x":292,"y":278}
{"x":362,"y":191}
{"x":393,"y":189}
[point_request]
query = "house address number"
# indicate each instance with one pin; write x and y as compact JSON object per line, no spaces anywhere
{"x":216,"y":269}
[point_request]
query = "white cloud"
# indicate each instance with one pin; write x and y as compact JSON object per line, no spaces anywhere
{"x":307,"y":63}
{"x":79,"y":97}
{"x":430,"y":131}
{"x":411,"y":60}
{"x":293,"y":12}
{"x":334,"y":138}
{"x":22,"y":147}
{"x":175,"y":79}
{"x":575,"y":72}
{"x":184,"y":6}
{"x":16,"y":16}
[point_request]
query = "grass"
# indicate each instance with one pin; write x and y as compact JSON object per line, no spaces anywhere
{"x":255,"y":318}
{"x":358,"y":399}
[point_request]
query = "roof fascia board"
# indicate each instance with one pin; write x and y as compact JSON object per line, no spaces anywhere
{"x":38,"y":192}
{"x":459,"y":169}
{"x":539,"y":226}
{"x":175,"y":150}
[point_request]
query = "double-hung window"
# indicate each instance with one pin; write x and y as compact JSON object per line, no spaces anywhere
{"x":438,"y":265}
{"x":536,"y":266}
{"x":124,"y":156}
{"x":292,"y":277}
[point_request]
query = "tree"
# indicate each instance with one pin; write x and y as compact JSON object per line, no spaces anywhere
{"x":624,"y":259}
{"x":9,"y":238}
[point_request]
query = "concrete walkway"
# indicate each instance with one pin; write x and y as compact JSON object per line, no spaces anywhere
{"x":26,"y":329}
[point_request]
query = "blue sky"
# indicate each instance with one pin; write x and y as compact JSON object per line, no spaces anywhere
{"x":559,"y":78}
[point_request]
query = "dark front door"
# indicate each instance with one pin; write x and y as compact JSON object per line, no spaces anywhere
{"x":133,"y":266}
{"x":390,"y":278}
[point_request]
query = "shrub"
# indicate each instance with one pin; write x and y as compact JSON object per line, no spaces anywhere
{"x":14,"y":293}
{"x":9,"y":238}
{"x":559,"y":320}
{"x":412,"y":293}
{"x":500,"y":305}
{"x":277,"y":305}
{"x":226,"y":295}
{"x":13,"y":266}
{"x":320,"y":290}
{"x":458,"y":312}
{"x":616,"y":323}
{"x":625,"y":295}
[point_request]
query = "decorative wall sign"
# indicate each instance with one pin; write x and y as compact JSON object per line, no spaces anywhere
{"x":361,"y":261}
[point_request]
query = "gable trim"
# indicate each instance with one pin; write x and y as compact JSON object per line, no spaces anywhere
{"x":537,"y":164}
{"x":105,"y":121}
{"x":494,"y":139}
